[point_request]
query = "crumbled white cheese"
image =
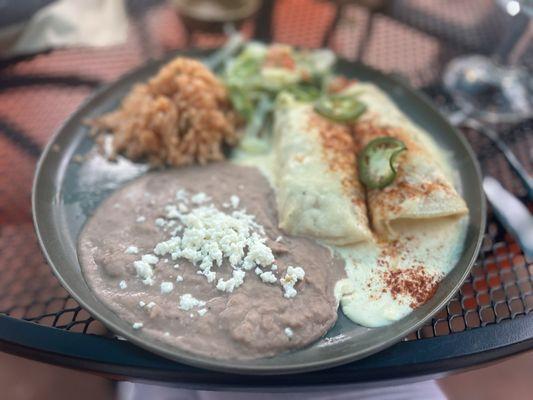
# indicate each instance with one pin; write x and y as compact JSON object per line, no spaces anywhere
{"x":225,"y":205}
{"x":258,"y":253}
{"x":161,"y":249}
{"x":201,"y":312}
{"x":179,"y":278}
{"x":211,"y":236}
{"x":137,"y":325}
{"x":200,"y":198}
{"x":274,"y":267}
{"x":234,"y":201}
{"x":238,"y":275}
{"x":293,"y":275}
{"x":148,"y":281}
{"x":160,"y":222}
{"x":234,"y":282}
{"x":150,"y":305}
{"x":167,"y":333}
{"x":290,"y":291}
{"x":122,"y":285}
{"x":144,"y":271}
{"x":172,"y":212}
{"x":132,"y":250}
{"x":289,"y":332}
{"x":210,"y":275}
{"x":149,"y":259}
{"x":188,"y":302}
{"x":226,"y":286}
{"x":141,"y":219}
{"x":241,"y":215}
{"x":166,"y":287}
{"x":142,"y":304}
{"x":168,"y":247}
{"x":298,"y":272}
{"x":182,"y":195}
{"x":279,"y":239}
{"x":268,"y":277}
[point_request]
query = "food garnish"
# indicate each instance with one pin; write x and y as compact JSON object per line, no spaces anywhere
{"x":377,"y":162}
{"x":304,"y":92}
{"x":340,"y":108}
{"x":260,"y":71}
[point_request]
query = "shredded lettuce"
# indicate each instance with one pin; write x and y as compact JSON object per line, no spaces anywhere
{"x":251,"y":80}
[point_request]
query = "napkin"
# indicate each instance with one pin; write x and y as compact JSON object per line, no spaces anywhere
{"x":73,"y":23}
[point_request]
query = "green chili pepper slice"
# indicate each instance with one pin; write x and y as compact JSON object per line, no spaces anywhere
{"x":377,"y":167}
{"x":304,"y":92}
{"x":340,"y":108}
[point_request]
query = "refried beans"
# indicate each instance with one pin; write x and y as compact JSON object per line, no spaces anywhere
{"x":256,"y":319}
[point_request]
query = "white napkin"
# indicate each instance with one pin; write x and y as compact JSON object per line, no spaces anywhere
{"x":73,"y":23}
{"x":427,"y":390}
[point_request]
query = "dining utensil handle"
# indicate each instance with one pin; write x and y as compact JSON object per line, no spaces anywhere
{"x":512,"y":213}
{"x":460,"y":117}
{"x":514,"y":163}
{"x":517,"y":166}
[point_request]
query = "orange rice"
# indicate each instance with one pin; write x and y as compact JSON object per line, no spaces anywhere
{"x":180,"y":116}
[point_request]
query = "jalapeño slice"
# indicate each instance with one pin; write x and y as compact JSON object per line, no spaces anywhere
{"x":304,"y":92}
{"x":340,"y":108}
{"x":377,"y":162}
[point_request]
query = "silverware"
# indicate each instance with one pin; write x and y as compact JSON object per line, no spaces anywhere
{"x":512,"y":213}
{"x":460,"y":118}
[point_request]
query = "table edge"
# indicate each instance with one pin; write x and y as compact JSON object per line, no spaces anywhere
{"x":121,"y":360}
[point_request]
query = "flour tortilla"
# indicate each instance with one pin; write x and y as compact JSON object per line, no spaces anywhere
{"x":423,"y":186}
{"x":318,"y":193}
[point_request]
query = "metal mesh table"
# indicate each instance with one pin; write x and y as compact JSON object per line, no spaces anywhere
{"x":489,"y":318}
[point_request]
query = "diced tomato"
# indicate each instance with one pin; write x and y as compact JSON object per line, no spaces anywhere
{"x":279,"y":57}
{"x":339,"y":83}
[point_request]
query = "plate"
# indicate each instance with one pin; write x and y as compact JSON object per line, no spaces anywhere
{"x":66,"y":193}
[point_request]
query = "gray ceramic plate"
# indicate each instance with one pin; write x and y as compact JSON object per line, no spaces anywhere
{"x":66,"y":193}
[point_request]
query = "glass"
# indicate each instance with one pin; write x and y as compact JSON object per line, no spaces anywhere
{"x":490,"y":89}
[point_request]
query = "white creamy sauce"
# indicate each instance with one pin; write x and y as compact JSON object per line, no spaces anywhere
{"x":264,"y":162}
{"x":366,"y":298}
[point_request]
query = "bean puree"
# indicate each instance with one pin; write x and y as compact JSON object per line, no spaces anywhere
{"x":255,"y":320}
